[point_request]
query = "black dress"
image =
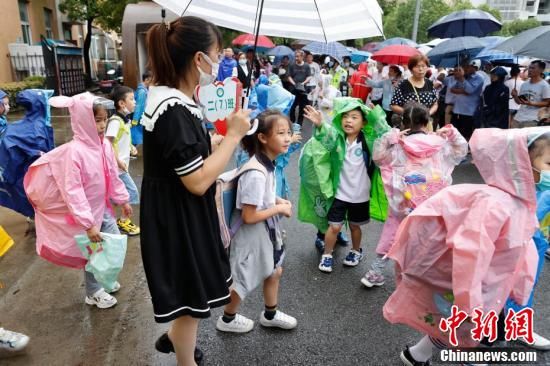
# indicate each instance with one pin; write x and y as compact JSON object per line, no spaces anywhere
{"x":185,"y":263}
{"x":405,"y":92}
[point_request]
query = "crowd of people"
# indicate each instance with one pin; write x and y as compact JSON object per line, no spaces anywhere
{"x":385,"y":143}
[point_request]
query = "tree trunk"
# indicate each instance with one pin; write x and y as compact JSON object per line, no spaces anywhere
{"x":87,"y":43}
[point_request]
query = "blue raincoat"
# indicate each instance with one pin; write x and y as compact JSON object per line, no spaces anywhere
{"x":136,"y":131}
{"x":3,"y":119}
{"x":273,"y":97}
{"x":23,"y":142}
{"x":541,"y":242}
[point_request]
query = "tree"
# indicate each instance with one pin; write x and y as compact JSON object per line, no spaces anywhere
{"x":517,"y":26}
{"x":399,"y":21}
{"x":106,"y":13}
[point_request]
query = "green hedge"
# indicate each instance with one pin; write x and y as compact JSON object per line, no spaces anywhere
{"x":31,"y":82}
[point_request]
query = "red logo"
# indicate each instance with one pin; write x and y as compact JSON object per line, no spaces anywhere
{"x":485,"y":326}
{"x":519,"y":324}
{"x":451,"y":323}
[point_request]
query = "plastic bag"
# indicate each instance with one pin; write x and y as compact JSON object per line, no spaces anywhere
{"x":105,"y":259}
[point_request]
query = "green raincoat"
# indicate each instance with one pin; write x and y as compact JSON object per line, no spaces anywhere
{"x":323,"y":157}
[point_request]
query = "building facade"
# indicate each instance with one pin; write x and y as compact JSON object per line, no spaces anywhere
{"x":23,"y":22}
{"x":522,"y":9}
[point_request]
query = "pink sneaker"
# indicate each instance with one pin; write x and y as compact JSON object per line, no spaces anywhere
{"x":372,"y":279}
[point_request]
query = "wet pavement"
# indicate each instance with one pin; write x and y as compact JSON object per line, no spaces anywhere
{"x":339,"y":321}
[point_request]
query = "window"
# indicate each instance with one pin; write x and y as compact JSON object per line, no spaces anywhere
{"x":48,"y":20}
{"x":25,"y":26}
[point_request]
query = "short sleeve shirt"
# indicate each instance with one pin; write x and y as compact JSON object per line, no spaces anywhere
{"x":299,"y":73}
{"x":536,"y":92}
{"x":406,"y":92}
{"x":182,"y":141}
{"x":354,"y":186}
{"x":122,"y":146}
{"x":253,"y":190}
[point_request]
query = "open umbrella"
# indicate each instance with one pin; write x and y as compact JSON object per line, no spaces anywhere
{"x":423,"y":48}
{"x":492,"y":55}
{"x":395,"y":41}
{"x":279,"y":52}
{"x":454,"y":50}
{"x":533,"y":43}
{"x":334,"y":49}
{"x":397,"y":54}
{"x":249,"y":40}
{"x":358,"y":56}
{"x":473,"y":22}
{"x":369,"y":47}
{"x":313,"y":20}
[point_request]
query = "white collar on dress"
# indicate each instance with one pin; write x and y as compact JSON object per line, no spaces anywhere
{"x":159,"y":98}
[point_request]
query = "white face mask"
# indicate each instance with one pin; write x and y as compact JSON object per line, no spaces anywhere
{"x":242,"y":61}
{"x":206,"y":79}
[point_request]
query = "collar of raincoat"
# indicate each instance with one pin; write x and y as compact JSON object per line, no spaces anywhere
{"x":502,"y":158}
{"x":421,"y":145}
{"x":82,"y":116}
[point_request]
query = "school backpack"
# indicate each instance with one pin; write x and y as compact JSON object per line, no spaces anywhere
{"x":226,"y":198}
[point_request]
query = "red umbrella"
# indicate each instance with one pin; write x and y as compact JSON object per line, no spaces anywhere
{"x":248,"y":40}
{"x":398,"y":54}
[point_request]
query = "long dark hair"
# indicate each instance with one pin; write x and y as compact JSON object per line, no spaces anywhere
{"x":171,"y":47}
{"x":251,"y":144}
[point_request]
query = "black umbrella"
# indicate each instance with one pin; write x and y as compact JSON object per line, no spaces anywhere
{"x":476,"y":23}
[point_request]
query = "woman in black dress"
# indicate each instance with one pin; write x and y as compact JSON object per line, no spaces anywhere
{"x":417,"y":88}
{"x":185,"y":263}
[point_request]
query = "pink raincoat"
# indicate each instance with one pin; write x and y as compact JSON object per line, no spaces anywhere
{"x":70,"y":186}
{"x":470,"y":244}
{"x":413,"y":169}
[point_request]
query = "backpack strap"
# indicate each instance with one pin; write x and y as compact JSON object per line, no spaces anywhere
{"x":122,"y":129}
{"x":252,"y":164}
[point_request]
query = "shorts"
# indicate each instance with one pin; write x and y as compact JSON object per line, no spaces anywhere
{"x":130,"y":187}
{"x":356,"y":213}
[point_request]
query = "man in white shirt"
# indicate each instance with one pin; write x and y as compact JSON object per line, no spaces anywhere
{"x":533,"y":95}
{"x":514,"y":82}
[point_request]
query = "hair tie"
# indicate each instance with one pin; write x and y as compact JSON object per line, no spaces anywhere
{"x":166,"y":24}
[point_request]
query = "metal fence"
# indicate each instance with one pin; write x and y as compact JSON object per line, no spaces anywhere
{"x":27,"y":65}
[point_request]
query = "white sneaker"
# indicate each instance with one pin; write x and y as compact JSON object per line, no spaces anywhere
{"x":240,"y":324}
{"x":116,"y":287}
{"x":101,"y":299}
{"x":540,"y":343}
{"x":12,"y":341}
{"x":280,"y":320}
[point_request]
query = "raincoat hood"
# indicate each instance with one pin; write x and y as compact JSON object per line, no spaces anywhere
{"x":272,"y":97}
{"x":422,"y":145}
{"x":345,"y":104}
{"x":35,"y":101}
{"x":363,"y":68}
{"x":3,"y":94}
{"x":82,"y":116}
{"x":502,"y":159}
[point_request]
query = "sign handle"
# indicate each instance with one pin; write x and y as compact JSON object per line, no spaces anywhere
{"x":253,"y":128}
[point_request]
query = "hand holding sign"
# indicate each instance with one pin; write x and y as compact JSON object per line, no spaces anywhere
{"x":221,"y":102}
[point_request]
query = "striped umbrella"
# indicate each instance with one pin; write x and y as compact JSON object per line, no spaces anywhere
{"x":315,"y":20}
{"x":333,"y":49}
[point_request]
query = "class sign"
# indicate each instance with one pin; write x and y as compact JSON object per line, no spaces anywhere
{"x":218,"y":100}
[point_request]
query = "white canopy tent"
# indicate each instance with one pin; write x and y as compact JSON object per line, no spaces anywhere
{"x":316,"y":20}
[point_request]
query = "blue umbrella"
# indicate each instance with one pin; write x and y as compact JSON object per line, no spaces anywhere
{"x":394,"y":41}
{"x":490,"y":54}
{"x":359,"y":56}
{"x":532,"y":43}
{"x":279,"y":52}
{"x":452,"y":51}
{"x":463,"y":23}
{"x":333,"y":49}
